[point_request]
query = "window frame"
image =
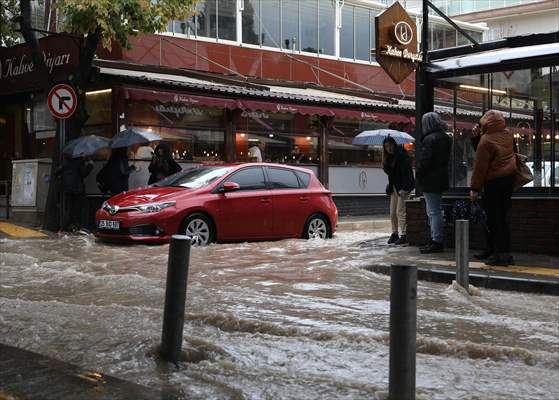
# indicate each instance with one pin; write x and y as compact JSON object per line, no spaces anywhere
{"x":270,"y":181}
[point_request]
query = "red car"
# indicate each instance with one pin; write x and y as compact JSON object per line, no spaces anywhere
{"x":223,"y":203}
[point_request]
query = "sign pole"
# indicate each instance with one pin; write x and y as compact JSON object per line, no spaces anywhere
{"x":62,"y":141}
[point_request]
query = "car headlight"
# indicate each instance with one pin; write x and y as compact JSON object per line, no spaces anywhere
{"x":154,"y":207}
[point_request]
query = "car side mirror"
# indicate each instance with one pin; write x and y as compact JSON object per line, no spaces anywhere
{"x":230,"y":187}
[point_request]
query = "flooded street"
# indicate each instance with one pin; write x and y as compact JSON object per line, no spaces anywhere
{"x":274,"y":320}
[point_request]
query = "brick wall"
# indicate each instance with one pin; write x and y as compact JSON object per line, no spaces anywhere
{"x":534,"y":225}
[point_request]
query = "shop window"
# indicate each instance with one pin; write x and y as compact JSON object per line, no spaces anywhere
{"x":290,"y":24}
{"x":524,"y":97}
{"x":288,"y":138}
{"x":251,"y":22}
{"x":271,"y":23}
{"x":194,"y":134}
{"x":98,"y":105}
{"x":341,"y":151}
{"x":327,"y":26}
{"x":309,"y":29}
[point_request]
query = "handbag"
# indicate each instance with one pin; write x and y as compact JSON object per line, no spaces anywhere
{"x":523,"y":174}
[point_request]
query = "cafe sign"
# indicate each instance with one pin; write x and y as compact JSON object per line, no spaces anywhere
{"x":396,"y":42}
{"x":18,"y":72}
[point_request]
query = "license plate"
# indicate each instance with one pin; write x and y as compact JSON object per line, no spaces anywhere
{"x":106,"y":224}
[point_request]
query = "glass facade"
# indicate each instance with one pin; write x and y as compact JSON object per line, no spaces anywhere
{"x":456,"y":7}
{"x":527,"y":98}
{"x":302,"y":26}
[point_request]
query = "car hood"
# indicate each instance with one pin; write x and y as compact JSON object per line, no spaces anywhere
{"x":150,"y":195}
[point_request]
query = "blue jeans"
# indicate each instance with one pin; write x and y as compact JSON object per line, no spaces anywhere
{"x":433,"y":205}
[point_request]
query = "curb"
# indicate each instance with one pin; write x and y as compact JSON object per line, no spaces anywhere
{"x":367,"y":225}
{"x":481,"y":279}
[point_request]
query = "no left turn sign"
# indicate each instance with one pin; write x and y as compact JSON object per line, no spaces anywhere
{"x":62,"y":101}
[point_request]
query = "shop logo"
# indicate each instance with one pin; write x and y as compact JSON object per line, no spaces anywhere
{"x":13,"y":67}
{"x":285,"y":108}
{"x":184,"y":99}
{"x":362,"y":180}
{"x":403,"y":33}
{"x":368,"y":115}
{"x":178,"y":111}
{"x":255,"y":114}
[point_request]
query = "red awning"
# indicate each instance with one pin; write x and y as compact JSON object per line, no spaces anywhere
{"x":178,"y":98}
{"x":283,"y":108}
{"x":143,"y":94}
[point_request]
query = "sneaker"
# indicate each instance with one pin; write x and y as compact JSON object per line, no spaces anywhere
{"x":403,"y":240}
{"x":484,"y":255}
{"x":435,"y":247}
{"x":393,"y":238}
{"x":502,"y":260}
{"x":428,"y":244}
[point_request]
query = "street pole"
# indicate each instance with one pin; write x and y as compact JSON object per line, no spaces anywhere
{"x":462,"y":246}
{"x":175,"y":297}
{"x":403,"y":320}
{"x":62,"y":134}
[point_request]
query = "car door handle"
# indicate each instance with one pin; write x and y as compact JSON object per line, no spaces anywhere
{"x":266,"y":201}
{"x":304,"y":198}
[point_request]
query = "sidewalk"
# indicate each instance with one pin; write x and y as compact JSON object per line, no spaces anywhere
{"x":30,"y":376}
{"x":531,"y":273}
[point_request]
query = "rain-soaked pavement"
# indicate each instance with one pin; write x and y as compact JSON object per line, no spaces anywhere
{"x":275,"y":320}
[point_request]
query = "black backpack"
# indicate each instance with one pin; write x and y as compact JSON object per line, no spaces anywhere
{"x":102,"y":179}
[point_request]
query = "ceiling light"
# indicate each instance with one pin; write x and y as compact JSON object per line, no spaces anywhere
{"x":99,"y":91}
{"x":482,"y":89}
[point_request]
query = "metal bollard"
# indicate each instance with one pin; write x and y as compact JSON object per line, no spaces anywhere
{"x":462,"y":247}
{"x":175,"y":297}
{"x":403,"y":317}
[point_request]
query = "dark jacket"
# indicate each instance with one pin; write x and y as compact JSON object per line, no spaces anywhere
{"x":495,"y":152}
{"x":432,"y":164}
{"x":73,"y":171}
{"x":162,"y":166}
{"x":114,"y":175}
{"x":400,"y":173}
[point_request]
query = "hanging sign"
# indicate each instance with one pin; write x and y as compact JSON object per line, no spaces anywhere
{"x":62,"y":101}
{"x":396,"y":42}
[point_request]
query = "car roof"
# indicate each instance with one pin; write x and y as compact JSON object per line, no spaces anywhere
{"x":258,"y":164}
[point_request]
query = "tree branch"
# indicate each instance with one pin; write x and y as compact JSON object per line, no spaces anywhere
{"x":28,"y":33}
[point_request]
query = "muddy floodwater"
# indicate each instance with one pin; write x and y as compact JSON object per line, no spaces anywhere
{"x":274,"y":320}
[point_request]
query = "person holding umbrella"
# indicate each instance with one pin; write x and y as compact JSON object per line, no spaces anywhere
{"x":76,"y":166}
{"x":397,"y":165}
{"x":162,"y":164}
{"x":113,"y":177}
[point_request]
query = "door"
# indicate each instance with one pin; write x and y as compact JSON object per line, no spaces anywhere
{"x":247,"y":212}
{"x":290,"y":202}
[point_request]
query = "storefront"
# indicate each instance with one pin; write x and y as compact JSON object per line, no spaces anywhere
{"x":519,"y":77}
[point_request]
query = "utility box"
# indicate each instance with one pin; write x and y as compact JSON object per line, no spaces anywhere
{"x":30,"y":185}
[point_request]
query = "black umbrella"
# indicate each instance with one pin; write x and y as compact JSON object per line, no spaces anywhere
{"x":133,"y":136}
{"x":86,"y":146}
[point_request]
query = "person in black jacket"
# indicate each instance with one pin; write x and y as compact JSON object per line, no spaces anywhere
{"x":162,"y":164}
{"x":113,"y":177}
{"x":73,"y":171}
{"x":432,"y":174}
{"x":396,"y":163}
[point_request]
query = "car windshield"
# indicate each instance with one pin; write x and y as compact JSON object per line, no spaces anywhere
{"x":194,"y":178}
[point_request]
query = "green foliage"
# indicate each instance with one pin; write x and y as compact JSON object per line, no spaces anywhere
{"x":9,"y":10}
{"x":118,"y":20}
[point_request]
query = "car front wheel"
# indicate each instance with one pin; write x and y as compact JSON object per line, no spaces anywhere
{"x":199,"y":228}
{"x":317,"y":227}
